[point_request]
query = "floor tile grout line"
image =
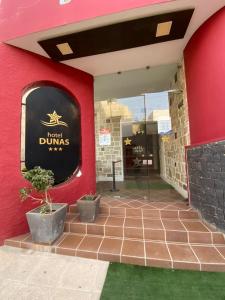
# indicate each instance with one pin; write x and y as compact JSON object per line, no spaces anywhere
{"x":159,"y":259}
{"x":70,"y":226}
{"x":196,"y":256}
{"x":134,"y":239}
{"x":100,"y":246}
{"x":78,"y":245}
{"x":57,"y":245}
{"x":167,"y":245}
{"x":211,"y":235}
{"x":143,"y":233}
{"x":205,"y":226}
{"x":219,"y":252}
{"x":217,"y":247}
{"x":121,"y":250}
{"x":188,"y":237}
{"x":105,"y":226}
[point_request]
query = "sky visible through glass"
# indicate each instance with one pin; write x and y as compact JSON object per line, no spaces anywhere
{"x":153,"y":101}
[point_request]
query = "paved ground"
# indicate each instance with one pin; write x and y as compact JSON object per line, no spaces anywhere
{"x":151,"y":188}
{"x":28,"y":275}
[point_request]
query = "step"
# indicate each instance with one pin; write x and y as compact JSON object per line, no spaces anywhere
{"x":146,"y":211}
{"x":132,"y":251}
{"x":149,"y":229}
{"x":157,"y":234}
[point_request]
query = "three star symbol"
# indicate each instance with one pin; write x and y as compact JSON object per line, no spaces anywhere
{"x":127,"y":141}
{"x":55,"y":149}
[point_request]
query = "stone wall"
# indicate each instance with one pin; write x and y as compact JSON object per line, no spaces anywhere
{"x":206,"y":169}
{"x":108,"y":115}
{"x":172,"y":146}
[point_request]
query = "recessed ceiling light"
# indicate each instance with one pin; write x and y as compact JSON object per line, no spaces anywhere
{"x":64,"y":48}
{"x":163,"y":28}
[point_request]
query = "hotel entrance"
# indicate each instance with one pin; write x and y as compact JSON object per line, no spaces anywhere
{"x":128,"y":135}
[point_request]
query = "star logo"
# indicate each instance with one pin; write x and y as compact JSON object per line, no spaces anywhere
{"x":127,"y":141}
{"x":137,"y":162}
{"x":54,"y":120}
{"x":50,"y":149}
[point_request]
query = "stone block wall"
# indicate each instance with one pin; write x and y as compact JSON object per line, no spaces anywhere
{"x":172,"y":146}
{"x":109,"y":119}
{"x":206,"y":169}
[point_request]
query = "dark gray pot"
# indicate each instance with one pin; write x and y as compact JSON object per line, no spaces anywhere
{"x":46,"y":228}
{"x":88,"y":209}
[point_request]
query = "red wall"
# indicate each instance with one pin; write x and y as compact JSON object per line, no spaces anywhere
{"x":20,"y":17}
{"x":205,"y":76}
{"x":19,"y":69}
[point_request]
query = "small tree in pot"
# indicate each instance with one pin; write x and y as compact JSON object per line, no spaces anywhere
{"x":88,"y":207}
{"x":46,"y":222}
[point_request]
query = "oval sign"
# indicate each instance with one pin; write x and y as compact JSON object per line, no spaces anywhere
{"x":52,"y":132}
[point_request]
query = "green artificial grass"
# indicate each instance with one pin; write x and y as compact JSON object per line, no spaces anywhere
{"x":129,"y":282}
{"x":151,"y":186}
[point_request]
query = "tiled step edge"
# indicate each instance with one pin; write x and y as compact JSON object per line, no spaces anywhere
{"x":195,"y":237}
{"x":146,"y":213}
{"x":140,"y":259}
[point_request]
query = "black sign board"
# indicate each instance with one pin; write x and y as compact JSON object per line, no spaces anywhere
{"x":53,"y":137}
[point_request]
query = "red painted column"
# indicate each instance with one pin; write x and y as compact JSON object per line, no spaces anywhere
{"x":18,"y":70}
{"x":205,"y":76}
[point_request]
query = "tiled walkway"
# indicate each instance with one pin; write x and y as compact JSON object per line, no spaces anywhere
{"x":151,"y":189}
{"x":157,"y":234}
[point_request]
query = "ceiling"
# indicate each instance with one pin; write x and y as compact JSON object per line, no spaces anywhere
{"x":161,"y":57}
{"x":134,"y":83}
{"x":120,"y":36}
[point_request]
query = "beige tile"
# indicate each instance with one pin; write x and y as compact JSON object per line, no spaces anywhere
{"x":59,"y":294}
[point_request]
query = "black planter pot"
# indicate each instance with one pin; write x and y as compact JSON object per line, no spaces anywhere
{"x":46,"y":228}
{"x":88,"y":209}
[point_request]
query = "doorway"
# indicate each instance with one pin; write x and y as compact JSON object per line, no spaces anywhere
{"x":128,"y":132}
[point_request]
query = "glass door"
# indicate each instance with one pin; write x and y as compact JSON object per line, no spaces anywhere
{"x":134,"y":139}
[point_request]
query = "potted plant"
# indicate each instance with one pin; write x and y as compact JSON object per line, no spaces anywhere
{"x":88,"y":207}
{"x":46,"y":222}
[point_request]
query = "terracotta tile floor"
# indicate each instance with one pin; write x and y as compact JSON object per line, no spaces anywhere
{"x":159,"y":234}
